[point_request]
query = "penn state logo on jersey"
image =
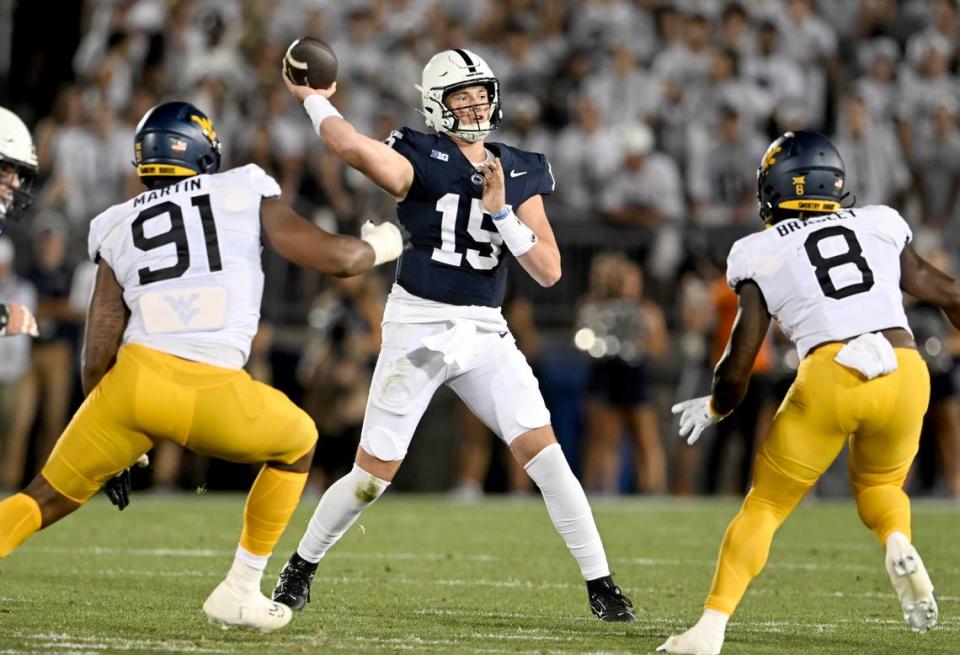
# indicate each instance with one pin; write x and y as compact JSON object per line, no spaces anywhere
{"x":456,"y":253}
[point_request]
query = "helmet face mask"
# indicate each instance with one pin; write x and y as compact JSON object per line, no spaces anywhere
{"x":801,"y":172}
{"x":175,"y":140}
{"x":448,"y":73}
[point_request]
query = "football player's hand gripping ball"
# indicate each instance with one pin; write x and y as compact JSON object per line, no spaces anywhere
{"x":301,"y":93}
{"x":696,"y":415}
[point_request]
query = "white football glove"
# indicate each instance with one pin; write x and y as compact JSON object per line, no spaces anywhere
{"x":385,"y":239}
{"x":696,"y":415}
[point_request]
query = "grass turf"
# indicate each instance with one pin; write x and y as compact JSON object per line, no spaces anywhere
{"x":427,"y":575}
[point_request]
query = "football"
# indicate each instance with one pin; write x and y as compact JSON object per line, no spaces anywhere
{"x":310,"y":62}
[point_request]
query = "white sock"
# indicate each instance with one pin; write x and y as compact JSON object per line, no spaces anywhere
{"x":339,"y":507}
{"x":898,"y":540}
{"x":713,"y":621}
{"x":243,"y":577}
{"x":569,"y":510}
{"x":258,"y":562}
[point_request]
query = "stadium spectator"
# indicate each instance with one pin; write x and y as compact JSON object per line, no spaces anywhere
{"x":645,"y":193}
{"x":877,"y":170}
{"x":721,"y":180}
{"x":52,"y":362}
{"x":623,"y":333}
{"x":936,"y":155}
{"x":585,"y":158}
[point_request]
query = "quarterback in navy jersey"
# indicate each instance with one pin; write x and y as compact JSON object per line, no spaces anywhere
{"x":463,"y":265}
{"x":467,"y":205}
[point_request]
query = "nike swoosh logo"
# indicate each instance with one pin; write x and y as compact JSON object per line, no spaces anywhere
{"x":503,"y":334}
{"x":514,"y":173}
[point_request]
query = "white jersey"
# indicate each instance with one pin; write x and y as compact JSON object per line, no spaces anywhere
{"x":827,"y":278}
{"x":188,"y":258}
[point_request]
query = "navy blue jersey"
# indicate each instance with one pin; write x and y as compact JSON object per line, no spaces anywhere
{"x":456,"y":254}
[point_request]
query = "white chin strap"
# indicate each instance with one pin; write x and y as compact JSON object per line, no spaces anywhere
{"x":472,"y":135}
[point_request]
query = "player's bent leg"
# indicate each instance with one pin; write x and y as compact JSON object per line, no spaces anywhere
{"x":338,"y":509}
{"x":804,"y":440}
{"x":404,"y":381}
{"x":238,"y":600}
{"x":502,"y":391}
{"x":36,"y":507}
{"x":570,"y":513}
{"x":270,"y":504}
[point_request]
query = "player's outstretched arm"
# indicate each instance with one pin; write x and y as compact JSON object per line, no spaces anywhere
{"x":298,"y":240}
{"x":732,"y":374}
{"x":385,"y":167}
{"x":924,"y":281}
{"x":107,"y":317}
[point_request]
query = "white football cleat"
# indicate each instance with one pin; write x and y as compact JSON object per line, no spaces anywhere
{"x":912,"y":584}
{"x":229,"y":606}
{"x":695,"y":641}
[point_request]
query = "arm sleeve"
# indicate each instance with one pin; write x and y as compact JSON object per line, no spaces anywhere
{"x":899,"y":228}
{"x":402,"y":141}
{"x":738,"y":267}
{"x":261,"y":182}
{"x":96,"y":235}
{"x":545,"y":182}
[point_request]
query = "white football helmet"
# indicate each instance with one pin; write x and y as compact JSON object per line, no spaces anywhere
{"x":446,"y":72}
{"x":16,"y":150}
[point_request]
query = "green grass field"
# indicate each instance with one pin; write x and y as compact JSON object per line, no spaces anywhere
{"x":427,"y":575}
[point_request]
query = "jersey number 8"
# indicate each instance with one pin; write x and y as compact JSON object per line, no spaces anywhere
{"x":822,"y":265}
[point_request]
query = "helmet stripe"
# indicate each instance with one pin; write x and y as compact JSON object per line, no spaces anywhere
{"x":466,"y":59}
{"x":149,"y":170}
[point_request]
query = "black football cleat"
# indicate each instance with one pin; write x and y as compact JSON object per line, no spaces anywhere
{"x":607,"y":601}
{"x":293,"y":585}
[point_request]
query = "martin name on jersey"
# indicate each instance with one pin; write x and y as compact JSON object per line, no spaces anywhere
{"x":456,"y":253}
{"x":827,"y":278}
{"x":187,"y":256}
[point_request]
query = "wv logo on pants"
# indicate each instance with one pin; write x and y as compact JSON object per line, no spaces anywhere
{"x":184,"y":306}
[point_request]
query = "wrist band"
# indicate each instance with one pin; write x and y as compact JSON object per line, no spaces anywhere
{"x":4,"y":317}
{"x":516,"y":236}
{"x":319,"y":109}
{"x":500,"y":215}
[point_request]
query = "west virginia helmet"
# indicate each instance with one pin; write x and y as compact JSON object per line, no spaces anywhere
{"x":447,"y":72}
{"x":800,"y":172}
{"x":18,"y":158}
{"x":175,"y":140}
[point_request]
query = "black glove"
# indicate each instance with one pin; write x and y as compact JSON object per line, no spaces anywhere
{"x":117,"y":489}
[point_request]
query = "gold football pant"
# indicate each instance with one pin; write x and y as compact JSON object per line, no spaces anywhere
{"x":827,"y":406}
{"x":149,"y":395}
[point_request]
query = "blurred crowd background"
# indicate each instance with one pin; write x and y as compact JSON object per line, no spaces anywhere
{"x":654,"y":115}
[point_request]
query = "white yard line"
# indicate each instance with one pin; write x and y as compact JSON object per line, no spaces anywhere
{"x":469,"y":557}
{"x":48,"y":641}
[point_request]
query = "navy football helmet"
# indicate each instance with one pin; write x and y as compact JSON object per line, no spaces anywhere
{"x":175,"y":140}
{"x":801,"y":172}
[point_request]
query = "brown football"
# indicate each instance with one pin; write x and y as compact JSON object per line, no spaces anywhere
{"x":310,"y":62}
